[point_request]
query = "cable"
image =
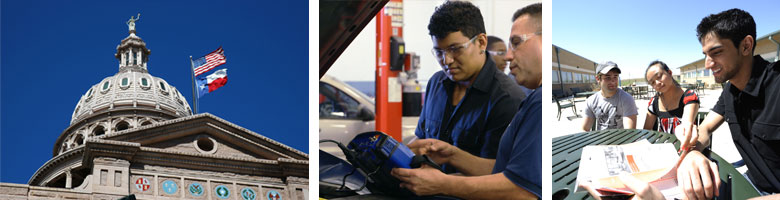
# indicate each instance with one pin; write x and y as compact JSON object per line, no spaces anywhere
{"x":350,"y":157}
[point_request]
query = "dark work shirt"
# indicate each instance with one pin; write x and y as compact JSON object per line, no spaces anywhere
{"x":477,"y":122}
{"x":753,"y":116}
{"x":520,"y":151}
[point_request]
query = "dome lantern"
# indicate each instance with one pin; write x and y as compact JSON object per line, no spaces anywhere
{"x":132,"y":52}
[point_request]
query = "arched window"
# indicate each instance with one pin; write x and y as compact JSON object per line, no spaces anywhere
{"x":123,"y":125}
{"x":98,"y":131}
{"x":79,"y":140}
{"x":106,"y":86}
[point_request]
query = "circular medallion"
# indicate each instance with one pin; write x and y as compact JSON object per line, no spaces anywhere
{"x":273,"y":195}
{"x":196,"y":189}
{"x":170,"y":187}
{"x":222,"y":192}
{"x":248,"y":194}
{"x":142,"y":184}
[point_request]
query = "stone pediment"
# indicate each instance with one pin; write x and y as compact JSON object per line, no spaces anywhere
{"x":208,"y":135}
{"x":198,"y":142}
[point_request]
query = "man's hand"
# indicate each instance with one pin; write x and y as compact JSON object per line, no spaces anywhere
{"x":441,"y":152}
{"x":698,"y":176}
{"x":688,"y":134}
{"x":422,"y":181}
{"x":641,"y":189}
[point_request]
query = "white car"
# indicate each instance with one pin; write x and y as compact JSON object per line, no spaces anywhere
{"x":346,"y":112}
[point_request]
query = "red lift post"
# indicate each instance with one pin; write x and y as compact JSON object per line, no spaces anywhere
{"x":389,"y":29}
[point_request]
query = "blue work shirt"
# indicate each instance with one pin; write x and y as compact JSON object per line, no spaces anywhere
{"x":520,"y":150}
{"x":477,"y":122}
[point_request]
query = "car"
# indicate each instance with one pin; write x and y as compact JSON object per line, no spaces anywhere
{"x":345,"y":112}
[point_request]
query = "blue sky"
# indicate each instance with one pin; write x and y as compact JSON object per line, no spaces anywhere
{"x":634,"y":33}
{"x":53,"y":51}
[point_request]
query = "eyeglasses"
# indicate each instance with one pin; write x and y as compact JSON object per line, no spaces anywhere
{"x":497,"y":53}
{"x":519,"y":39}
{"x":453,"y":51}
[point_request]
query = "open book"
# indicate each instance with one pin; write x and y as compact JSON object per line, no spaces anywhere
{"x":600,"y":166}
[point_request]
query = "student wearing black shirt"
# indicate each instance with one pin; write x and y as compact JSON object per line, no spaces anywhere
{"x":749,"y":104}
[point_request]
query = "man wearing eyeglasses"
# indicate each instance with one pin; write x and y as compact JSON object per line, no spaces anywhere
{"x":612,"y":108}
{"x":516,"y":173}
{"x":469,"y":103}
{"x":497,"y":50}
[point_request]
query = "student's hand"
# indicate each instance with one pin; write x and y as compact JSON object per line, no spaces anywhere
{"x":642,"y":190}
{"x":698,"y":176}
{"x":425,"y":180}
{"x":438,"y":150}
{"x":688,"y":134}
{"x":591,"y":190}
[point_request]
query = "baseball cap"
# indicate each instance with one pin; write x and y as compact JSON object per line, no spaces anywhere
{"x":603,"y":68}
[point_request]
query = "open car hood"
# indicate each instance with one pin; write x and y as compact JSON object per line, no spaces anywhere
{"x":340,"y":23}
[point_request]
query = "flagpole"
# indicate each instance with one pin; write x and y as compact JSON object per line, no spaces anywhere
{"x":194,"y":95}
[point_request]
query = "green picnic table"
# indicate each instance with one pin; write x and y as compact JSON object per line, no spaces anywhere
{"x":585,"y":94}
{"x":567,"y":151}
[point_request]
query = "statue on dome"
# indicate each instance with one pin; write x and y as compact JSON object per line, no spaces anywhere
{"x":131,"y":22}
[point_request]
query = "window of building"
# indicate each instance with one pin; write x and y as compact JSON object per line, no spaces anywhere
{"x":577,"y":78}
{"x":123,"y":125}
{"x":163,"y":88}
{"x":205,"y":144}
{"x":706,"y":72}
{"x":566,"y":77}
{"x":144,"y":83}
{"x":79,"y":139}
{"x":98,"y":131}
{"x":556,"y":76}
{"x":103,"y":176}
{"x":135,"y":62}
{"x":106,"y":86}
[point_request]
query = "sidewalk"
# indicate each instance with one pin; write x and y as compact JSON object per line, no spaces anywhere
{"x":721,"y":139}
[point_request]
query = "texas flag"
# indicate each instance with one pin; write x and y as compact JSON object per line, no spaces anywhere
{"x":211,"y":82}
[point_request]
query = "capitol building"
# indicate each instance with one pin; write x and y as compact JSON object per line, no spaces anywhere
{"x":134,"y":135}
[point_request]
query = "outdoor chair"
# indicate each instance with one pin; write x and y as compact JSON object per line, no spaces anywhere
{"x":557,"y":93}
{"x":564,"y":104}
{"x":574,"y":92}
{"x":630,"y":91}
{"x":700,"y":88}
{"x":642,"y":92}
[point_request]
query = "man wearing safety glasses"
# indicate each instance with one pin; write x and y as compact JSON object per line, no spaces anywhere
{"x":469,"y":102}
{"x":516,"y":172}
{"x":497,"y":50}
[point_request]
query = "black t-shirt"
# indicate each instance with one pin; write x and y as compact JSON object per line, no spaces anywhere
{"x":753,"y":116}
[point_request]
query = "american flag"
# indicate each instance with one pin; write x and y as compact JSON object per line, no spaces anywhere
{"x":208,"y":62}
